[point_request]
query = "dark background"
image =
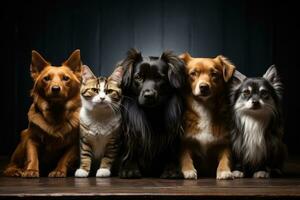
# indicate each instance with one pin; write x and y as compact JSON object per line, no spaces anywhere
{"x":253,"y":34}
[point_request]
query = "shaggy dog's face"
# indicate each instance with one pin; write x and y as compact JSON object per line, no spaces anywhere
{"x":151,"y":80}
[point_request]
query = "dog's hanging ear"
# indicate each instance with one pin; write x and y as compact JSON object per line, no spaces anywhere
{"x":273,"y":77}
{"x":86,"y":74}
{"x":38,"y":63}
{"x":176,"y":72}
{"x":186,"y":57}
{"x":228,"y":67}
{"x":133,"y":56}
{"x":117,"y":75}
{"x":74,"y":61}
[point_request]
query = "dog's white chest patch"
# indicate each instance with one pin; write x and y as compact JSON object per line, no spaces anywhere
{"x":205,"y":135}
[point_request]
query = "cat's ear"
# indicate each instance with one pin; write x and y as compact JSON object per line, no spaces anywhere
{"x":228,"y":67}
{"x":38,"y":63}
{"x":133,"y":56}
{"x":74,"y":61}
{"x":273,"y":77}
{"x":117,"y":75}
{"x":87,"y":74}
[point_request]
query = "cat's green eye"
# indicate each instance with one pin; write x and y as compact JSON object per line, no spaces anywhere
{"x":109,"y":91}
{"x":95,"y":90}
{"x":246,"y":93}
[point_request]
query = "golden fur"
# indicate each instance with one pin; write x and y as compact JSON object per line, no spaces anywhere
{"x":52,"y":133}
{"x":206,"y":131}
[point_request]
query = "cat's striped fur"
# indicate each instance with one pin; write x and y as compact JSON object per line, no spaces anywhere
{"x":100,"y":121}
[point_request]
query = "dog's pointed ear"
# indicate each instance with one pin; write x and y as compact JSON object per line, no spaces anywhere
{"x":186,"y":57}
{"x":86,"y":74}
{"x":228,"y":67}
{"x":117,"y":75}
{"x":133,"y":56}
{"x":38,"y":63}
{"x":237,"y":78}
{"x":176,"y":72}
{"x":273,"y":77}
{"x":74,"y":61}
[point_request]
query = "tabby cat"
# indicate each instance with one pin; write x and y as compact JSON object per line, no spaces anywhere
{"x":100,"y":121}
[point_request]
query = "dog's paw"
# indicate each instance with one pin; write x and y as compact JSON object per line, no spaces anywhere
{"x":13,"y":172}
{"x":130,"y":173}
{"x":30,"y":173}
{"x":57,"y":174}
{"x":103,"y":172}
{"x":171,"y":174}
{"x":81,"y":173}
{"x":190,"y":174}
{"x":224,"y":175}
{"x":238,"y":174}
{"x":261,"y":174}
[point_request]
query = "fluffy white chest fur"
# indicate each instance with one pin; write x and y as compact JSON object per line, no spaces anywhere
{"x":205,"y":135}
{"x":100,"y":130}
{"x":254,"y":145}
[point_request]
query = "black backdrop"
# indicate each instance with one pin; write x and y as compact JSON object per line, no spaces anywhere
{"x":253,"y":34}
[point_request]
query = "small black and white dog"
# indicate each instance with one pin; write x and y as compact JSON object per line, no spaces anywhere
{"x":152,"y":114}
{"x":257,"y":136}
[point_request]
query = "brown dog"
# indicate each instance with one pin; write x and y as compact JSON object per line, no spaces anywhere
{"x":206,"y":128}
{"x":52,"y":134}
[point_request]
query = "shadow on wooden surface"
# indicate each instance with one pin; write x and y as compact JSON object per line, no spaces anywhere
{"x":287,"y":187}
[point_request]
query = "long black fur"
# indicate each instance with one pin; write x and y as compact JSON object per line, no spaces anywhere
{"x":152,"y":134}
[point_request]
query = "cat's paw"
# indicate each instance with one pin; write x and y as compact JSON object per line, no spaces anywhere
{"x":238,"y":174}
{"x":261,"y":174}
{"x":224,"y":175}
{"x":103,"y":172}
{"x":190,"y":174}
{"x":81,"y":173}
{"x":130,"y":173}
{"x":30,"y":173}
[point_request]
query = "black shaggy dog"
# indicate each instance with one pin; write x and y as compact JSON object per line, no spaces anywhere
{"x":152,"y":115}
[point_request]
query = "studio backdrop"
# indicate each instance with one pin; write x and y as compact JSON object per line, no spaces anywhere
{"x":252,"y":34}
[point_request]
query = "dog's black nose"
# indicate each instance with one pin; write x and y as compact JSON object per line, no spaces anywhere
{"x":148,"y":94}
{"x":55,"y":88}
{"x":204,"y":89}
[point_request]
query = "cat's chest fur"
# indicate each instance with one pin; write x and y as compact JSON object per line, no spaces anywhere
{"x":98,"y":129}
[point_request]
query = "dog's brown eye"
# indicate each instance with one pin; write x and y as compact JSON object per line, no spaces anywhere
{"x":246,"y":93}
{"x":47,"y":78}
{"x":66,"y":78}
{"x":138,"y":77}
{"x":214,"y":74}
{"x":193,"y":74}
{"x":264,"y":93}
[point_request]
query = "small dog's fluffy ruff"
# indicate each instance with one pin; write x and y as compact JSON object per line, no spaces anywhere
{"x":206,"y":131}
{"x":257,"y":133}
{"x":50,"y":141}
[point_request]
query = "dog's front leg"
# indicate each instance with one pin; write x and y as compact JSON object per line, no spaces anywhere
{"x":32,"y":167}
{"x":130,"y":169}
{"x":68,"y":158}
{"x":187,"y":167}
{"x":223,"y":170}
